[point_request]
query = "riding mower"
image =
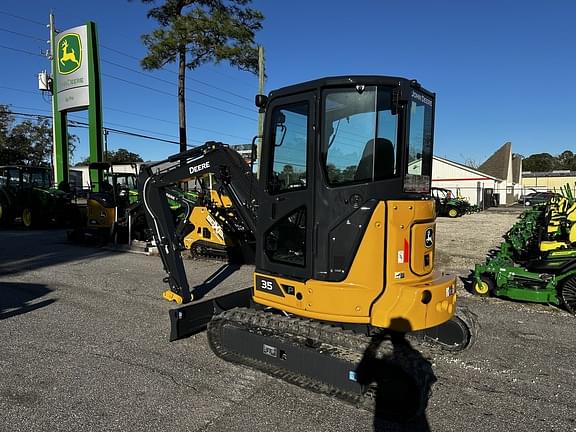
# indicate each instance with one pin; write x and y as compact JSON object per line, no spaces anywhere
{"x":537,"y":260}
{"x":447,"y":204}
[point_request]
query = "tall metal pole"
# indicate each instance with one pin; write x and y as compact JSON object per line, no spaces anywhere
{"x":261,"y":74}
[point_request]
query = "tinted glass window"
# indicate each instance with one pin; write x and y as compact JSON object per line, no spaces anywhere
{"x":13,"y":177}
{"x":39,"y":179}
{"x":290,"y":128}
{"x":360,"y":135}
{"x":420,"y":144}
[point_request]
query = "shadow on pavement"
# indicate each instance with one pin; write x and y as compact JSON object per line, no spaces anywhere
{"x":18,"y":298}
{"x":22,"y":250}
{"x":401,"y":380}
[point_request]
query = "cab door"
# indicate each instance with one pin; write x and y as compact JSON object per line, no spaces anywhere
{"x":285,"y":214}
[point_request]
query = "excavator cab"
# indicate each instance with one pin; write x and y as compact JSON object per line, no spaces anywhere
{"x":345,"y":225}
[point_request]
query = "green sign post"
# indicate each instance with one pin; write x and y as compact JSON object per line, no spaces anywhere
{"x":76,"y":87}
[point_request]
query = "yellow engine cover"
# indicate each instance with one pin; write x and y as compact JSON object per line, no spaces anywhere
{"x":98,"y":215}
{"x":391,"y":282}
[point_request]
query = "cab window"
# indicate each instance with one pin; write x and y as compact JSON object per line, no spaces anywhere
{"x":290,"y":129}
{"x":419,"y":167}
{"x":360,"y":135}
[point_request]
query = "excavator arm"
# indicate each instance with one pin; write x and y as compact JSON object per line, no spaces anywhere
{"x":157,"y":182}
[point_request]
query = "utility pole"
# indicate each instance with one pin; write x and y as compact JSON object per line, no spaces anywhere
{"x":59,"y":134}
{"x":261,"y":74}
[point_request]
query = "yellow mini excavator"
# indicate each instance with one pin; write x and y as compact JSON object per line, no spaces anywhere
{"x":345,"y":235}
{"x":215,"y":231}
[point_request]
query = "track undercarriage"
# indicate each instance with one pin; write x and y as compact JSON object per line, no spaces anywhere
{"x":357,"y":364}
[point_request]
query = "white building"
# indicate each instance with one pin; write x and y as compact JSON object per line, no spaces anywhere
{"x":80,"y":177}
{"x":498,"y":181}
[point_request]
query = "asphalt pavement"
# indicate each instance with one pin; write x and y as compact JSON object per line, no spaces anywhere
{"x":84,"y":347}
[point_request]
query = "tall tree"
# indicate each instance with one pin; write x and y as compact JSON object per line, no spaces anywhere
{"x":196,"y":32}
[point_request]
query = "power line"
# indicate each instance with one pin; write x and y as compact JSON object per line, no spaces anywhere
{"x":110,"y":123}
{"x":133,"y":114}
{"x":22,"y":51}
{"x":22,"y":35}
{"x":173,"y":84}
{"x":171,"y":95}
{"x":125,"y":67}
{"x":80,"y":124}
{"x":19,"y":90}
{"x":188,"y":78}
{"x":22,"y":18}
{"x":173,"y":122}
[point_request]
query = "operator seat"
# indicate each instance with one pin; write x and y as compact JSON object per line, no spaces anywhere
{"x":382,"y":162}
{"x":547,"y":246}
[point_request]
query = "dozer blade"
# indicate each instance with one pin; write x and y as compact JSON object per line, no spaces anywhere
{"x":194,"y":317}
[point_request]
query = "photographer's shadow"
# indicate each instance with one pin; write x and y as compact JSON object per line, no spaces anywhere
{"x":400,"y":379}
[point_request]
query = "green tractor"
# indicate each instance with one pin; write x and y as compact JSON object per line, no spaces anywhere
{"x":26,"y":195}
{"x":447,"y":204}
{"x":537,"y":260}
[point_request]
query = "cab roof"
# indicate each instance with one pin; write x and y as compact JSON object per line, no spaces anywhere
{"x":347,"y":80}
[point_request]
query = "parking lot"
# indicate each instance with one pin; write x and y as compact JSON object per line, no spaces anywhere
{"x":84,"y":347}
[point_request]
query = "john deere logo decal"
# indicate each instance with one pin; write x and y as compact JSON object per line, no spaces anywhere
{"x":429,"y":238}
{"x":69,"y":54}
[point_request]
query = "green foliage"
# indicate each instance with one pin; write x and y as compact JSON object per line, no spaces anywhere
{"x":337,"y":175}
{"x":196,"y":32}
{"x":566,"y":161}
{"x":28,"y":142}
{"x":204,"y":31}
{"x":119,"y":156}
{"x":545,"y":162}
{"x":539,"y":162}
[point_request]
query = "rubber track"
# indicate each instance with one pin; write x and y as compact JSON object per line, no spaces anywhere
{"x":330,"y":341}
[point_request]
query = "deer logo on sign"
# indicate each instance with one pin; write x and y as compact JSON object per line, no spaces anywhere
{"x":69,"y":54}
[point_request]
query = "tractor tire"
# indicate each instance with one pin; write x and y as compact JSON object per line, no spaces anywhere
{"x":568,"y":294}
{"x":453,"y":212}
{"x":484,"y":287}
{"x":28,"y":218}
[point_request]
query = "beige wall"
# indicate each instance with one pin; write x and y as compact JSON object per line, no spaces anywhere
{"x":548,"y":183}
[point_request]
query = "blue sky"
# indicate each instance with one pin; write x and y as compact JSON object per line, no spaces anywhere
{"x":502,"y":70}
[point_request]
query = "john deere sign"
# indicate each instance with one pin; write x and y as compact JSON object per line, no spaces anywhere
{"x":72,"y":69}
{"x":75,"y":87}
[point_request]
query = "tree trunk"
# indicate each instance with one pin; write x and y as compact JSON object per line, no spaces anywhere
{"x":181,"y":97}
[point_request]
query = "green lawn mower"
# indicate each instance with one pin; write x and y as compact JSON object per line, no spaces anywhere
{"x":537,"y":260}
